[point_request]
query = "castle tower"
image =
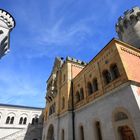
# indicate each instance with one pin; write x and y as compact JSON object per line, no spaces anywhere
{"x":7,"y":23}
{"x":128,"y":27}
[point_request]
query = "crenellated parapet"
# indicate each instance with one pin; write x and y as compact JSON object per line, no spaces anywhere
{"x":7,"y":23}
{"x":7,"y":19}
{"x":128,"y":27}
{"x":68,"y":58}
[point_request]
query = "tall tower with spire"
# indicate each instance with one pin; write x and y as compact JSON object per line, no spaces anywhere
{"x":128,"y":27}
{"x":7,"y":23}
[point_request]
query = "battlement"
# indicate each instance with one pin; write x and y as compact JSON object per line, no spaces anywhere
{"x":128,"y":27}
{"x":68,"y":58}
{"x":7,"y":19}
{"x":129,"y":17}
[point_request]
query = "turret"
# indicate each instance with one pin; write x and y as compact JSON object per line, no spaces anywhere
{"x":128,"y":27}
{"x":7,"y":23}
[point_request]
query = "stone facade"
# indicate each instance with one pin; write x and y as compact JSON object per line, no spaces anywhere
{"x":95,"y":101}
{"x":20,"y":122}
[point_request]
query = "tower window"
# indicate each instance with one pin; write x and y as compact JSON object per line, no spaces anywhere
{"x":1,"y":32}
{"x":125,"y":23}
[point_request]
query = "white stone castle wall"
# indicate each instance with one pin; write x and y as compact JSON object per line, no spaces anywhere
{"x":5,"y":111}
{"x":102,"y":110}
{"x":63,"y":122}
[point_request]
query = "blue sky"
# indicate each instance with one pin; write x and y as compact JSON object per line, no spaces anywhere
{"x":49,"y":28}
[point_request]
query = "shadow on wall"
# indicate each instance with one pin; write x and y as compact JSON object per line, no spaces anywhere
{"x":34,"y":130}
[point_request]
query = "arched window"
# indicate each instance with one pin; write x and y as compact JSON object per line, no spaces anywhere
{"x":0,"y":115}
{"x":21,"y":120}
{"x":36,"y":120}
{"x":125,"y":23}
{"x":81,"y":133}
{"x":81,"y":94}
{"x":114,"y":71}
{"x":106,"y":76}
{"x":132,"y":18}
{"x":12,"y":120}
{"x":33,"y":120}
{"x":1,"y":32}
{"x":50,"y":133}
{"x":8,"y":120}
{"x":89,"y":86}
{"x":63,"y":103}
{"x":95,"y":85}
{"x":98,"y":130}
{"x":119,"y":116}
{"x":50,"y":110}
{"x":77,"y":96}
{"x":63,"y":135}
{"x":53,"y":108}
{"x":25,"y":120}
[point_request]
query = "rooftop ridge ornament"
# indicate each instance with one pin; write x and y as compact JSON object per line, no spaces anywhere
{"x":7,"y":23}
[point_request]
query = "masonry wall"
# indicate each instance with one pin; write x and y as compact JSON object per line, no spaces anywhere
{"x":118,"y":95}
{"x":63,"y":122}
{"x":17,"y":113}
{"x":103,"y":109}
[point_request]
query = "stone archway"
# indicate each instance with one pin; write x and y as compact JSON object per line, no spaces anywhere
{"x":123,"y":125}
{"x":125,"y":133}
{"x":50,"y":134}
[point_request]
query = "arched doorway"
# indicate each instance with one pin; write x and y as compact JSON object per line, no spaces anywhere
{"x":126,"y":133}
{"x":123,"y":124}
{"x":50,"y":135}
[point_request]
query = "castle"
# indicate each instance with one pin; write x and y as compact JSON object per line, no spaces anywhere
{"x":99,"y":100}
